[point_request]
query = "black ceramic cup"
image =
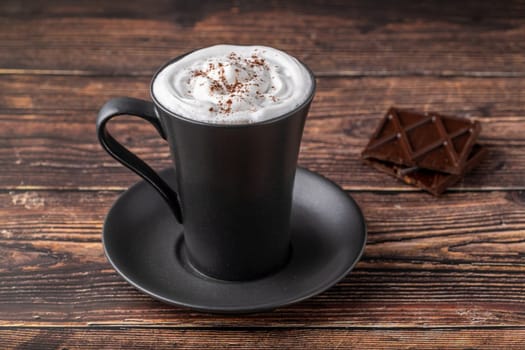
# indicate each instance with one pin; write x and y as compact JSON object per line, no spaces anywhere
{"x":235,"y":182}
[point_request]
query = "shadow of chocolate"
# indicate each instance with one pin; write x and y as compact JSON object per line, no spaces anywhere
{"x":484,"y":173}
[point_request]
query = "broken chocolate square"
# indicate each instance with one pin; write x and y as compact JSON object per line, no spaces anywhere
{"x":432,"y":181}
{"x":428,"y":150}
{"x":423,"y":140}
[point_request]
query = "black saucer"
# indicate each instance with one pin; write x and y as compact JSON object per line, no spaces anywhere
{"x":145,"y":245}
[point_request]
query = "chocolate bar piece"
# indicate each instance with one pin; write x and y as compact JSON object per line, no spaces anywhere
{"x":432,"y":181}
{"x":423,"y":140}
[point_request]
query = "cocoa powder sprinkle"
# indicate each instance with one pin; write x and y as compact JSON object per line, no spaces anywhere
{"x":236,"y":89}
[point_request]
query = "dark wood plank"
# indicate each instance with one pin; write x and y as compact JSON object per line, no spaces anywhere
{"x":479,"y":38}
{"x":479,"y":11}
{"x":437,"y":273}
{"x":96,"y":338}
{"x":428,"y":262}
{"x":47,"y":139}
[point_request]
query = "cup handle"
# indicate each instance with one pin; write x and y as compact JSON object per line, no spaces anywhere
{"x":145,"y":110}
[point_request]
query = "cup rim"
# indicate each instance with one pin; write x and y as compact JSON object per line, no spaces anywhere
{"x":231,"y":126}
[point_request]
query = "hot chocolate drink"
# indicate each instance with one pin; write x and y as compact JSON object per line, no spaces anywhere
{"x":233,"y":117}
{"x":229,"y":84}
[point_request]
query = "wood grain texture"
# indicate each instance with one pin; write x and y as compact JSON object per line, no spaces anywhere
{"x":437,"y":272}
{"x":479,"y":38}
{"x":126,"y":338}
{"x":428,"y":263}
{"x":47,"y":139}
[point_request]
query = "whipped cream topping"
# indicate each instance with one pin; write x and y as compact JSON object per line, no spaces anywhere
{"x":229,"y":84}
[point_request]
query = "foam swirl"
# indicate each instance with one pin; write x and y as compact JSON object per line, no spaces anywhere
{"x":231,"y":84}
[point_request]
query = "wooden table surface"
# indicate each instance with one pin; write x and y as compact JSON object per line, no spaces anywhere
{"x":443,"y":272}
